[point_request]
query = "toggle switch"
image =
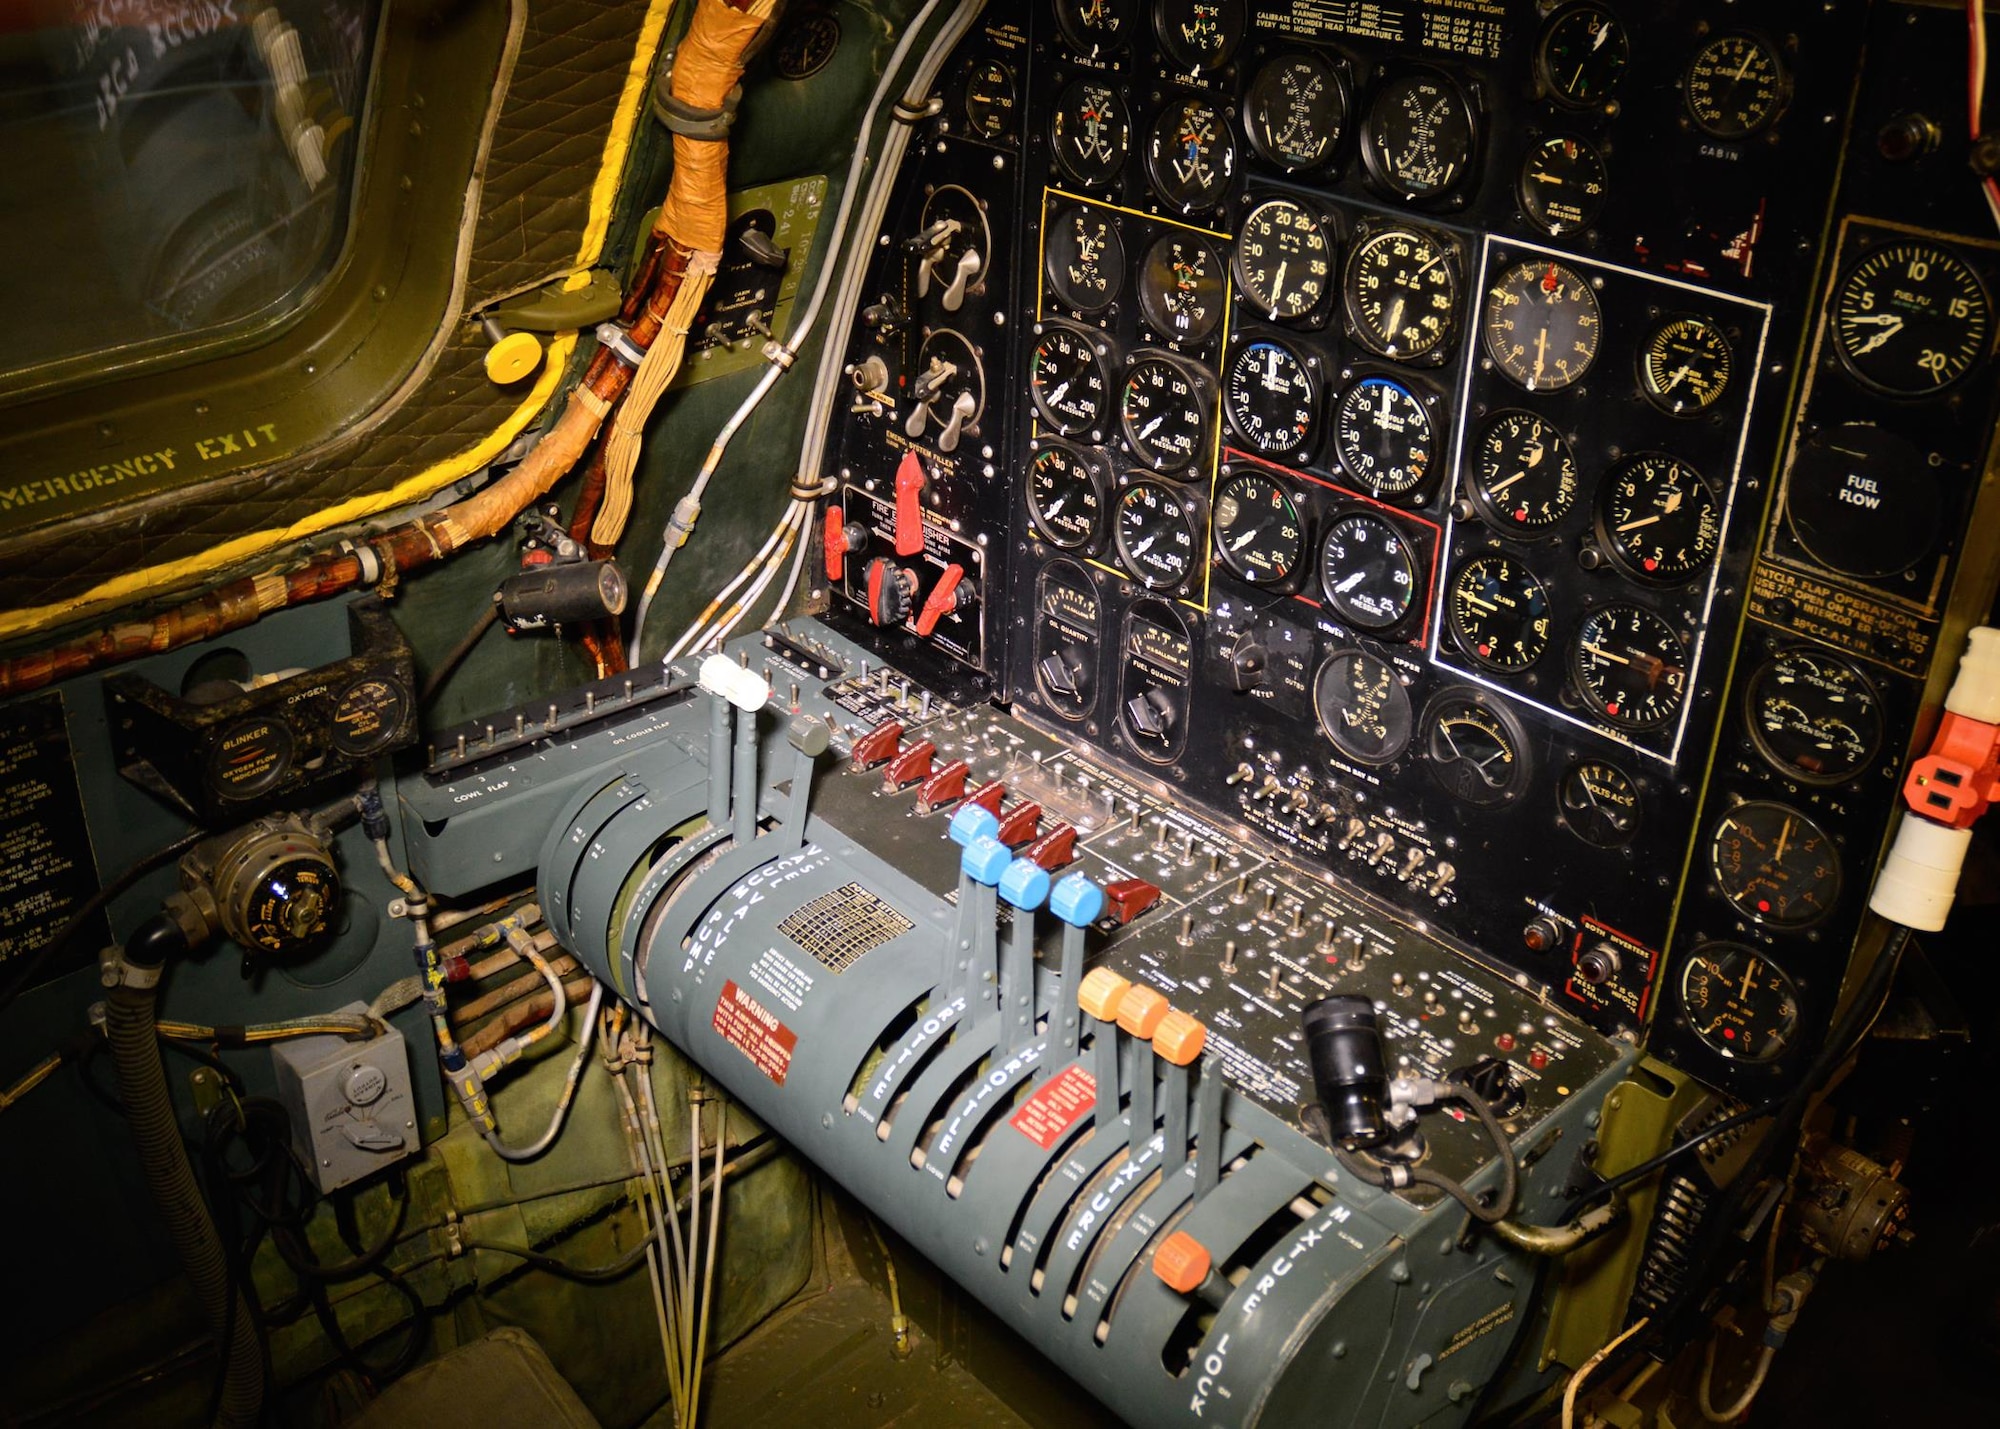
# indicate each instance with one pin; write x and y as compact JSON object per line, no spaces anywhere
{"x":1128,"y":898}
{"x":878,"y":745}
{"x":1020,"y":823}
{"x":988,"y":797}
{"x":910,"y":480}
{"x":909,"y":766}
{"x":1055,"y":848}
{"x":945,"y":786}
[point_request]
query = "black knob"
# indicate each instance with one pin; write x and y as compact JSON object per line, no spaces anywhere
{"x":1151,"y":714}
{"x":1248,"y":661}
{"x":1907,"y":136}
{"x":1349,"y":1067}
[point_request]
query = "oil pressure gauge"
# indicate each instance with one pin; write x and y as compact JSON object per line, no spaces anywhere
{"x":1740,"y":1004}
{"x":1065,"y":496}
{"x":1066,"y":380}
{"x":1156,"y":535}
{"x":1160,"y":409}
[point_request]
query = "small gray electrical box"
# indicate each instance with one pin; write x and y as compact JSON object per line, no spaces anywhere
{"x":352,"y":1104}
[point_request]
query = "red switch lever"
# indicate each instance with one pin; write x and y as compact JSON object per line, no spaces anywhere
{"x":943,"y":787}
{"x":879,"y":744}
{"x":988,"y":797}
{"x":1020,"y":824}
{"x":944,"y":599}
{"x":835,"y":542}
{"x":1054,"y":848}
{"x":911,"y":765}
{"x":1128,"y":898}
{"x":909,"y":507}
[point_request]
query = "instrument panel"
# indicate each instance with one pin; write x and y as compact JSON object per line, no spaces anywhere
{"x":1466,"y":447}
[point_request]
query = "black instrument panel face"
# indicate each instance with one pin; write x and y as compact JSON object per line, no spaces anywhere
{"x":1398,"y":440}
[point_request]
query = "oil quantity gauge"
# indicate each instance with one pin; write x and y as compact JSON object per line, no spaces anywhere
{"x":1543,"y":325}
{"x":1402,"y":294}
{"x":1368,"y":572}
{"x":1066,"y":379}
{"x":1271,"y":397}
{"x":1295,"y":112}
{"x":1089,"y":133}
{"x":1583,"y":55}
{"x":1815,"y":718}
{"x":1181,"y":289}
{"x":1155,"y":535}
{"x":1085,"y":259}
{"x":1065,"y":497}
{"x":1658,"y":519}
{"x":1498,"y":612}
{"x":1774,"y":865}
{"x":1258,"y":533}
{"x":1160,"y":409}
{"x":1382,"y":434}
{"x":1684,"y":366}
{"x":1284,"y":260}
{"x":1476,"y":751}
{"x":1192,"y":154}
{"x":1362,"y":707}
{"x":1418,"y":137}
{"x":1630,"y":666}
{"x":1523,"y":473}
{"x":1742,"y":1005}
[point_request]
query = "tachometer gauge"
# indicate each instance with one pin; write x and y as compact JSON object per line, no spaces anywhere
{"x":1192,"y":154}
{"x":1735,"y":86}
{"x":1475,"y":749}
{"x":1284,"y":260}
{"x":1155,"y":535}
{"x":1630,"y":666}
{"x":1271,"y":396}
{"x":1402,"y":294}
{"x":1911,"y":318}
{"x":1658,"y":519}
{"x":1065,"y":497}
{"x":1066,"y":379}
{"x":1815,"y":718}
{"x":1089,"y":133}
{"x":1368,"y":571}
{"x":989,"y":99}
{"x":1543,"y":325}
{"x":1523,"y":474}
{"x":1084,"y":258}
{"x":1599,"y":803}
{"x":1742,"y":1005}
{"x":1383,"y":436}
{"x":1684,"y":366}
{"x":1198,"y":34}
{"x":1258,"y":533}
{"x":1563,"y":184}
{"x":1093,"y":26}
{"x":1774,"y":865}
{"x":1582,"y":56}
{"x":1161,"y":411}
{"x":1362,"y":706}
{"x":1181,"y":288}
{"x":1498,"y":611}
{"x":1417,"y":139}
{"x":1295,"y":112}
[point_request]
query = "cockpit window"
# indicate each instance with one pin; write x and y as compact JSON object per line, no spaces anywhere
{"x":170,"y":169}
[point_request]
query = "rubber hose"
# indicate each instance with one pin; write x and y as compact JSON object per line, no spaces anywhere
{"x":142,"y":1082}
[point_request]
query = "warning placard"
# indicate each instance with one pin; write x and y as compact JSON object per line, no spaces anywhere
{"x":1050,"y":1112}
{"x":755,"y":1031}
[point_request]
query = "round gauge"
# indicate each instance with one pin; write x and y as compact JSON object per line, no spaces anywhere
{"x":1257,"y":529}
{"x":1523,"y":474}
{"x":1658,"y":519}
{"x":1684,"y":366}
{"x":1599,"y":803}
{"x":1774,"y":865}
{"x":1910,"y":318}
{"x":1283,"y":260}
{"x":1563,"y":184}
{"x":1160,"y":408}
{"x":1085,"y":259}
{"x":1417,"y":138}
{"x":1198,"y":34}
{"x":1089,"y":133}
{"x":1735,"y":87}
{"x":1863,"y":500}
{"x":1270,"y":395}
{"x":1739,"y":1002}
{"x":368,"y":715}
{"x":1155,"y":535}
{"x":1159,"y":655}
{"x":1630,"y":666}
{"x":1402,"y":294}
{"x":1192,"y":155}
{"x":1582,"y":56}
{"x":1368,"y":572}
{"x":990,"y":99}
{"x":249,"y":757}
{"x":1475,"y":749}
{"x":1180,"y":288}
{"x":1066,"y":379}
{"x":1362,"y":706}
{"x":1094,"y":26}
{"x":1498,"y":611}
{"x":1070,"y":634}
{"x":1295,"y":112}
{"x":1543,"y":325}
{"x":1383,"y":436}
{"x":1815,"y":718}
{"x":1065,"y":497}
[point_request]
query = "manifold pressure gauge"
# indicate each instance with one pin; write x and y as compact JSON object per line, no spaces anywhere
{"x":1382,"y":434}
{"x":1271,"y":397}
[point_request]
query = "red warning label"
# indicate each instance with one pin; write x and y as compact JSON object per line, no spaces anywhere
{"x":1045,"y":1116}
{"x":755,"y":1031}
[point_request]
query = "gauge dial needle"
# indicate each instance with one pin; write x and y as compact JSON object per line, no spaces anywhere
{"x":1062,"y":390}
{"x":1152,"y":540}
{"x":1395,"y":322}
{"x":1749,"y":980}
{"x":1246,"y":538}
{"x":1784,"y":837}
{"x":1351,"y":582}
{"x":1601,"y":653}
{"x":1150,"y":428}
{"x":1635,"y":525}
{"x":1890,"y":323}
{"x":1500,"y":486}
{"x":1541,"y":352}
